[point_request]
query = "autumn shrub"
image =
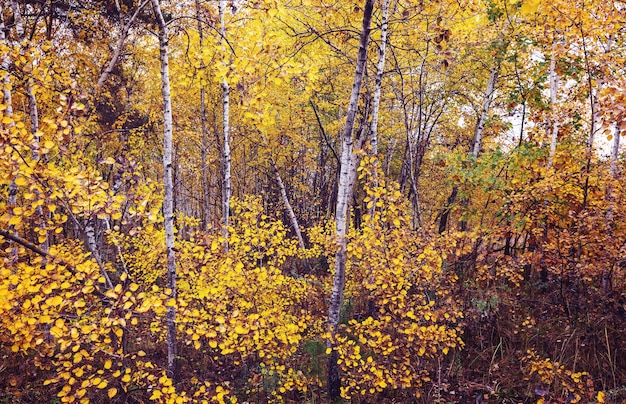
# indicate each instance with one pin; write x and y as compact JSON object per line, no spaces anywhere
{"x":399,"y":315}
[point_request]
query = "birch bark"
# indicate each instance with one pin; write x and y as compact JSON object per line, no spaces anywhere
{"x":227,"y":185}
{"x":380,"y":69}
{"x":32,"y":112}
{"x":484,"y":113}
{"x":341,"y":214}
{"x":168,"y":200}
{"x":553,"y":89}
{"x":606,"y":277}
{"x":7,"y":97}
{"x":206,"y":208}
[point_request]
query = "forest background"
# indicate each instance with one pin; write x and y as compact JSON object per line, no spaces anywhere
{"x":312,"y":201}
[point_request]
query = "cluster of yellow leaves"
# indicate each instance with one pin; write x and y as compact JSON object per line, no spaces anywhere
{"x":238,"y":305}
{"x":398,"y":312}
{"x":555,"y":380}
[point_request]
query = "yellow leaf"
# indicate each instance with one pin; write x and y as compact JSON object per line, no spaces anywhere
{"x":529,"y":6}
{"x":601,"y":397}
{"x":102,"y":384}
{"x":156,"y":394}
{"x":107,"y":364}
{"x":241,"y":330}
{"x":126,"y":378}
{"x":112,"y":392}
{"x":15,"y":220}
{"x":20,"y":181}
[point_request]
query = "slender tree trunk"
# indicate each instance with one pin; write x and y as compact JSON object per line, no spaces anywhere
{"x":415,"y":204}
{"x":595,"y":111}
{"x":292,"y":216}
{"x":8,"y":112}
{"x":227,"y":185}
{"x":206,"y":207}
{"x":553,"y":128}
{"x":614,"y":171}
{"x":484,"y":113}
{"x":168,"y":200}
{"x":32,"y":99}
{"x":476,"y":145}
{"x":380,"y":69}
{"x":379,"y":78}
{"x":553,"y":122}
{"x":119,"y":46}
{"x":92,"y":246}
{"x":343,"y":200}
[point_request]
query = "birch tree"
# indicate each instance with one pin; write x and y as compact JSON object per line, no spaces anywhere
{"x":7,"y":96}
{"x":226,"y":181}
{"x":205,"y":133}
{"x":380,"y":68}
{"x":553,"y":124}
{"x":168,"y":199}
{"x":344,"y":194}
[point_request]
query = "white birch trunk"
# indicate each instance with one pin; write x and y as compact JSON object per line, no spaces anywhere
{"x":119,"y":46}
{"x":206,"y":216}
{"x":33,"y":114}
{"x":227,"y":185}
{"x":206,"y":207}
{"x":8,"y":101}
{"x":613,"y":171}
{"x":380,"y":68}
{"x":554,"y":122}
{"x":379,"y":77}
{"x":341,"y":214}
{"x":168,"y":200}
{"x":484,"y":113}
{"x":4,"y":66}
{"x":92,"y":246}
